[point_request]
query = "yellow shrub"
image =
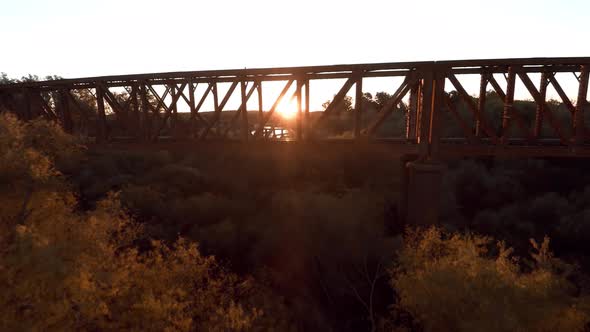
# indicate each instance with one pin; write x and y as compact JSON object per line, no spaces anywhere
{"x":450,"y":282}
{"x":63,"y":270}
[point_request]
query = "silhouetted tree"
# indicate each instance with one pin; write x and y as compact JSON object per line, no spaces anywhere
{"x":343,"y":106}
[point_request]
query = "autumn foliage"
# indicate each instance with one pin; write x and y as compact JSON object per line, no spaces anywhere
{"x":90,"y":241}
{"x":461,"y":282}
{"x":62,"y":269}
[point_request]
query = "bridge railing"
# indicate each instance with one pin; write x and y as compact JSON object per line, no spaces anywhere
{"x":475,"y":106}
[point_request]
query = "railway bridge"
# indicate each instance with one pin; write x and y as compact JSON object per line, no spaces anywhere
{"x":429,"y":117}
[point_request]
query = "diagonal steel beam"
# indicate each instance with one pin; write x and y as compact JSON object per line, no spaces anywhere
{"x":520,"y":122}
{"x":270,"y":112}
{"x":159,"y":99}
{"x":111,"y":100}
{"x":564,"y":98}
{"x":459,"y":118}
{"x":78,"y":105}
{"x":181,"y":92}
{"x":169,"y":108}
{"x":218,"y":110}
{"x":471,"y":105}
{"x":387,"y":109}
{"x":160,"y":103}
{"x":243,"y":108}
{"x":48,"y":110}
{"x":200,"y":104}
{"x":336,"y":100}
{"x":539,"y":100}
{"x":121,"y":111}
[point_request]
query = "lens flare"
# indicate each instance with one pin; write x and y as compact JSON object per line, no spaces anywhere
{"x":288,"y":109}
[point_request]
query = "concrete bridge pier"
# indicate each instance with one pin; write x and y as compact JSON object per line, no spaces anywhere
{"x":422,"y":173}
{"x":421,"y":192}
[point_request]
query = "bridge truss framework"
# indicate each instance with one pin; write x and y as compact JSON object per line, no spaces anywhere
{"x":425,"y":85}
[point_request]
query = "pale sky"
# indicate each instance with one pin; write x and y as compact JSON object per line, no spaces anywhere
{"x":75,"y":38}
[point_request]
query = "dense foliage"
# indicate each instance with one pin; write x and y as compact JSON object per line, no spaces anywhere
{"x":453,"y":282}
{"x":147,"y":239}
{"x":62,"y":269}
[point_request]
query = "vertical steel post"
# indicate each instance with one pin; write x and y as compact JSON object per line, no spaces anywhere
{"x":540,"y":106}
{"x":508,"y":105}
{"x":193,"y":116}
{"x":145,"y":110}
{"x":244,"y":112}
{"x":102,"y":119}
{"x":64,"y":104}
{"x":434,"y":132}
{"x":579,"y":127}
{"x":216,"y":109}
{"x":135,"y":111}
{"x":481,"y":103}
{"x":411,"y":113}
{"x":260,"y":104}
{"x":419,"y":103}
{"x":215,"y":97}
{"x":299,"y":110}
{"x":425,"y":111}
{"x":307,"y":114}
{"x":173,"y":111}
{"x":358,"y":107}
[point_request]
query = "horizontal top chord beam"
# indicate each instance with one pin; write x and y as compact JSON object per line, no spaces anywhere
{"x":317,"y":72}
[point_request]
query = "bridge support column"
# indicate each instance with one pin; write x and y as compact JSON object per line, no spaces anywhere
{"x":421,"y":192}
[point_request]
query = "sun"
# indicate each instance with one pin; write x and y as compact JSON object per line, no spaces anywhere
{"x":288,"y":109}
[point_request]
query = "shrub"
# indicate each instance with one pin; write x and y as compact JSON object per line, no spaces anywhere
{"x":26,"y":174}
{"x":473,"y":187}
{"x":143,"y":201}
{"x":452,"y":282}
{"x":49,"y":139}
{"x":82,"y":272}
{"x":181,"y":180}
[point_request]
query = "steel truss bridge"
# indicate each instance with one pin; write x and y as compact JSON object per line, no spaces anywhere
{"x":430,"y":95}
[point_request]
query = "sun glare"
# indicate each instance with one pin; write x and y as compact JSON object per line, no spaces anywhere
{"x":288,"y":109}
